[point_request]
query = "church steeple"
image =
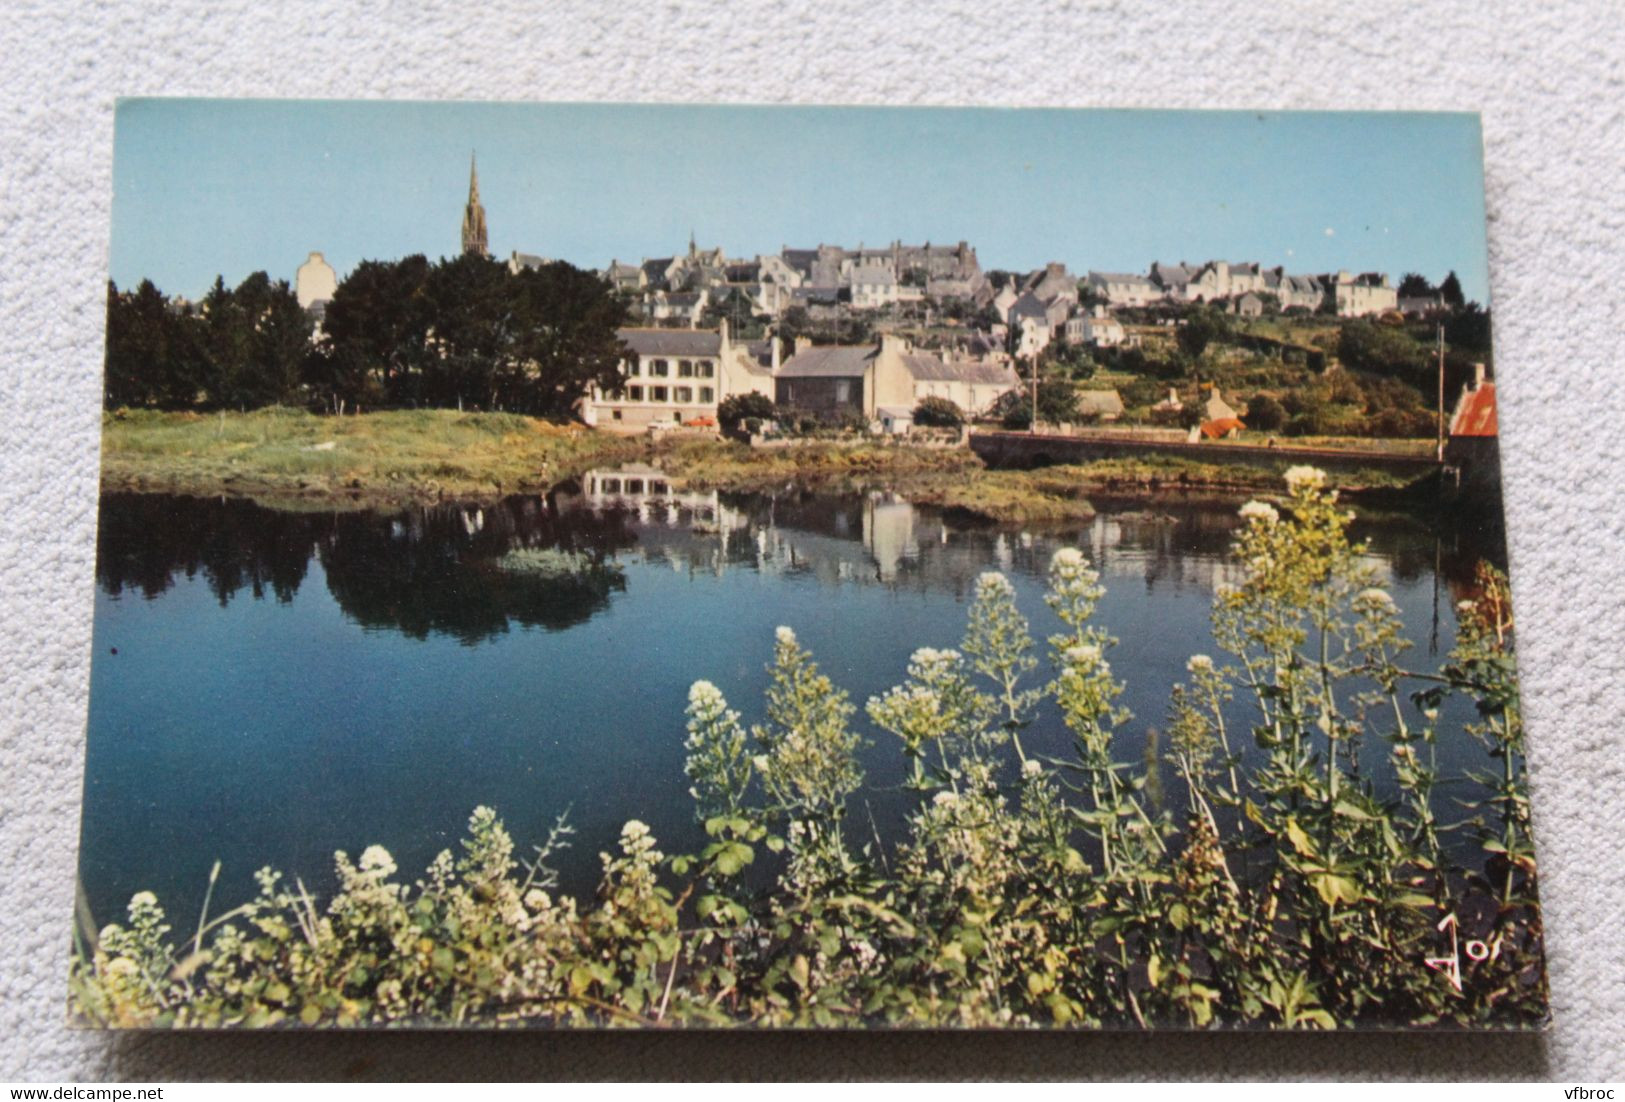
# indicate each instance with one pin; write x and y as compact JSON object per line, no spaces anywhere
{"x":474,"y":238}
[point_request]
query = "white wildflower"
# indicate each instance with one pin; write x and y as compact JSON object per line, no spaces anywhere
{"x":634,"y":829}
{"x":1375,"y":598}
{"x":704,"y":695}
{"x":784,"y":635}
{"x":1199,"y":663}
{"x":376,"y":859}
{"x":760,"y":762}
{"x":1067,"y":558}
{"x":1258,"y":510}
{"x":1083,"y":654}
{"x":1031,"y":768}
{"x":991,"y":583}
{"x":142,"y":900}
{"x":538,"y":900}
{"x":945,"y":798}
{"x":1303,"y":477}
{"x":1465,"y":606}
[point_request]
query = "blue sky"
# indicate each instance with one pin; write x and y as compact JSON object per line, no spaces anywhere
{"x":230,"y":186}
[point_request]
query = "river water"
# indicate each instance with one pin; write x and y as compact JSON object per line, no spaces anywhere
{"x":271,"y":686}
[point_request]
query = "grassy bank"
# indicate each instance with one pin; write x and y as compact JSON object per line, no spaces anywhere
{"x":282,"y":455}
{"x":290,"y":458}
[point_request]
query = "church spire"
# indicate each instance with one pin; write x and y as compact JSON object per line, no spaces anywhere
{"x":474,"y":236}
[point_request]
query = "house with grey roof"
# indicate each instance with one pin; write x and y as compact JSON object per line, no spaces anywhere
{"x":674,"y":377}
{"x":890,"y":376}
{"x":1358,"y":296}
{"x":1124,"y":288}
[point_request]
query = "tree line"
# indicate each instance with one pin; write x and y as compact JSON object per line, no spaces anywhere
{"x":464,"y":333}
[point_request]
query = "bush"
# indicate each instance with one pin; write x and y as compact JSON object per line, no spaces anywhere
{"x":737,"y":407}
{"x":938,"y":413}
{"x":1281,"y":889}
{"x":1265,"y":414}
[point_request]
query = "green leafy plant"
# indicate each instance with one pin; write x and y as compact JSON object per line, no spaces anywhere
{"x":1278,"y":887}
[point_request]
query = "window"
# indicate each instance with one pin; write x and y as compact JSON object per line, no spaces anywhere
{"x":843,"y":390}
{"x":657,"y":487}
{"x":634,"y":485}
{"x":657,"y":394}
{"x":632,"y":368}
{"x":678,"y":417}
{"x":634,"y":393}
{"x":704,"y":369}
{"x":610,"y":486}
{"x":658,"y":367}
{"x":683,"y":394}
{"x":685,"y":369}
{"x":615,"y":415}
{"x":707,"y":394}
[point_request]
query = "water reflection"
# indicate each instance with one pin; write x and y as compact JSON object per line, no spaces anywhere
{"x":372,"y":688}
{"x":440,"y":569}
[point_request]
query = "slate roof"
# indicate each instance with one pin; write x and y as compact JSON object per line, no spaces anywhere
{"x":829,"y":361}
{"x":672,"y":342}
{"x":800,"y":259}
{"x":927,"y":368}
{"x":1475,"y":413}
{"x":1028,"y":306}
{"x":1121,"y":277}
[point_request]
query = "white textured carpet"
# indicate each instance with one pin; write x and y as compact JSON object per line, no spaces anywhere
{"x":1548,"y":76}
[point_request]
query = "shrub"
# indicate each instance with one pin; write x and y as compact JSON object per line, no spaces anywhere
{"x":737,"y":407}
{"x":1280,"y":889}
{"x":934,"y":412}
{"x":1265,"y":414}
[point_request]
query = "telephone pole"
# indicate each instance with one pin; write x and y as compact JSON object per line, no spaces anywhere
{"x":1440,"y":443}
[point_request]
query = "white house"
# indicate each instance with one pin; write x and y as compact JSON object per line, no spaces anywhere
{"x":673,"y":376}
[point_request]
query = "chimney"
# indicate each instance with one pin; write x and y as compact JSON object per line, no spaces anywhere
{"x":803,"y":343}
{"x":722,"y":332}
{"x":1173,"y":396}
{"x":773,"y":344}
{"x":1478,"y":376}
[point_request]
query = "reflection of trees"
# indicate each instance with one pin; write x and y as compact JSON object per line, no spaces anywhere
{"x":143,"y":541}
{"x":434,"y":571}
{"x":423,"y":571}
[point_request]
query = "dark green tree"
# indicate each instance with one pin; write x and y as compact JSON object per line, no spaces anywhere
{"x":1057,"y":402}
{"x":1202,"y":327}
{"x":743,"y":407}
{"x":1450,"y":291}
{"x":1415,"y":285}
{"x":377,"y":327}
{"x":1265,"y":414}
{"x":567,"y":320}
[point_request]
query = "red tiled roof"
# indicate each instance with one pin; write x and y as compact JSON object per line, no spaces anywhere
{"x":1475,"y":413}
{"x":1218,"y":428}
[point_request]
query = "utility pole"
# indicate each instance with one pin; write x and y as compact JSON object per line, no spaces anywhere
{"x":1032,"y":424}
{"x":1440,"y":455}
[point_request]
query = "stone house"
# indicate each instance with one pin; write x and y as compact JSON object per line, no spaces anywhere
{"x":674,"y":376}
{"x":1358,"y":296}
{"x":887,"y":377}
{"x":684,"y":306}
{"x":1474,"y":446}
{"x":1124,"y":288}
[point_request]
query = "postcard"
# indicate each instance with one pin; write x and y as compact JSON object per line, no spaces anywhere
{"x":721,"y":566}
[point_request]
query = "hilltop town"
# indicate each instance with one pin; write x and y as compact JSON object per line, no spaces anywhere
{"x":915,"y":342}
{"x":867,"y":336}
